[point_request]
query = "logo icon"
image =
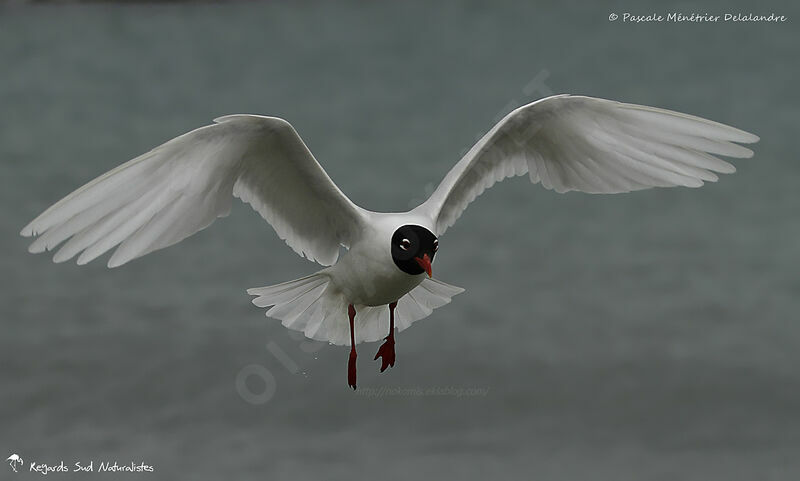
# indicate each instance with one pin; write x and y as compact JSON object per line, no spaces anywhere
{"x":13,"y":461}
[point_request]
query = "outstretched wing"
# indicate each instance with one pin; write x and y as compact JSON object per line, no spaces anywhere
{"x":589,"y":145}
{"x":180,"y":187}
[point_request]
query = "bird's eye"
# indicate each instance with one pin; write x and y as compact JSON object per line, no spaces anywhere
{"x":435,"y":245}
{"x":405,"y":244}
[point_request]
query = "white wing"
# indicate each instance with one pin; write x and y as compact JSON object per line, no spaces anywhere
{"x":180,"y":187}
{"x":590,"y":145}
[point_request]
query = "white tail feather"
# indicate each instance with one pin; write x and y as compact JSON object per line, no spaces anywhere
{"x":315,"y":307}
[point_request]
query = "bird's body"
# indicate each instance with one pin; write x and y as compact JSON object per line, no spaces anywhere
{"x":563,"y":142}
{"x":366,"y":277}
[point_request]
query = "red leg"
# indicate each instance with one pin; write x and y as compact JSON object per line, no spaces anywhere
{"x":386,"y":351}
{"x":351,"y":363}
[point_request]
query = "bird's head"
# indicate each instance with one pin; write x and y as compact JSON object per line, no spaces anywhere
{"x":413,"y":248}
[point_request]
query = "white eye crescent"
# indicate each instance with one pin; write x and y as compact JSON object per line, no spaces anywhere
{"x":435,"y":245}
{"x":405,"y":244}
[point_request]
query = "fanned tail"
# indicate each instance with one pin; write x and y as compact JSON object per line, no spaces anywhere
{"x":292,"y":301}
{"x":418,"y":304}
{"x":313,"y":306}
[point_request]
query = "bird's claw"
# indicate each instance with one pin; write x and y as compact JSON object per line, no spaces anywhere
{"x":386,"y":353}
{"x":351,"y":370}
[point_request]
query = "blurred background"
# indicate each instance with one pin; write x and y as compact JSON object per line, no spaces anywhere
{"x":645,"y":336}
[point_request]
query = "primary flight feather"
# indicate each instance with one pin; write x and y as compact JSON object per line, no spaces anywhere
{"x":563,"y":142}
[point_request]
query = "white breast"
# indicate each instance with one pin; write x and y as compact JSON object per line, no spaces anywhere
{"x":366,"y":274}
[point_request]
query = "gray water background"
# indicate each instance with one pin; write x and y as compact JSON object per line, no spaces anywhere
{"x":649,"y":336}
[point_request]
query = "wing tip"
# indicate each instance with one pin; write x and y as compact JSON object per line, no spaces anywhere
{"x":750,"y":138}
{"x":112,"y":263}
{"x":744,"y":137}
{"x":28,"y":231}
{"x":724,"y":167}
